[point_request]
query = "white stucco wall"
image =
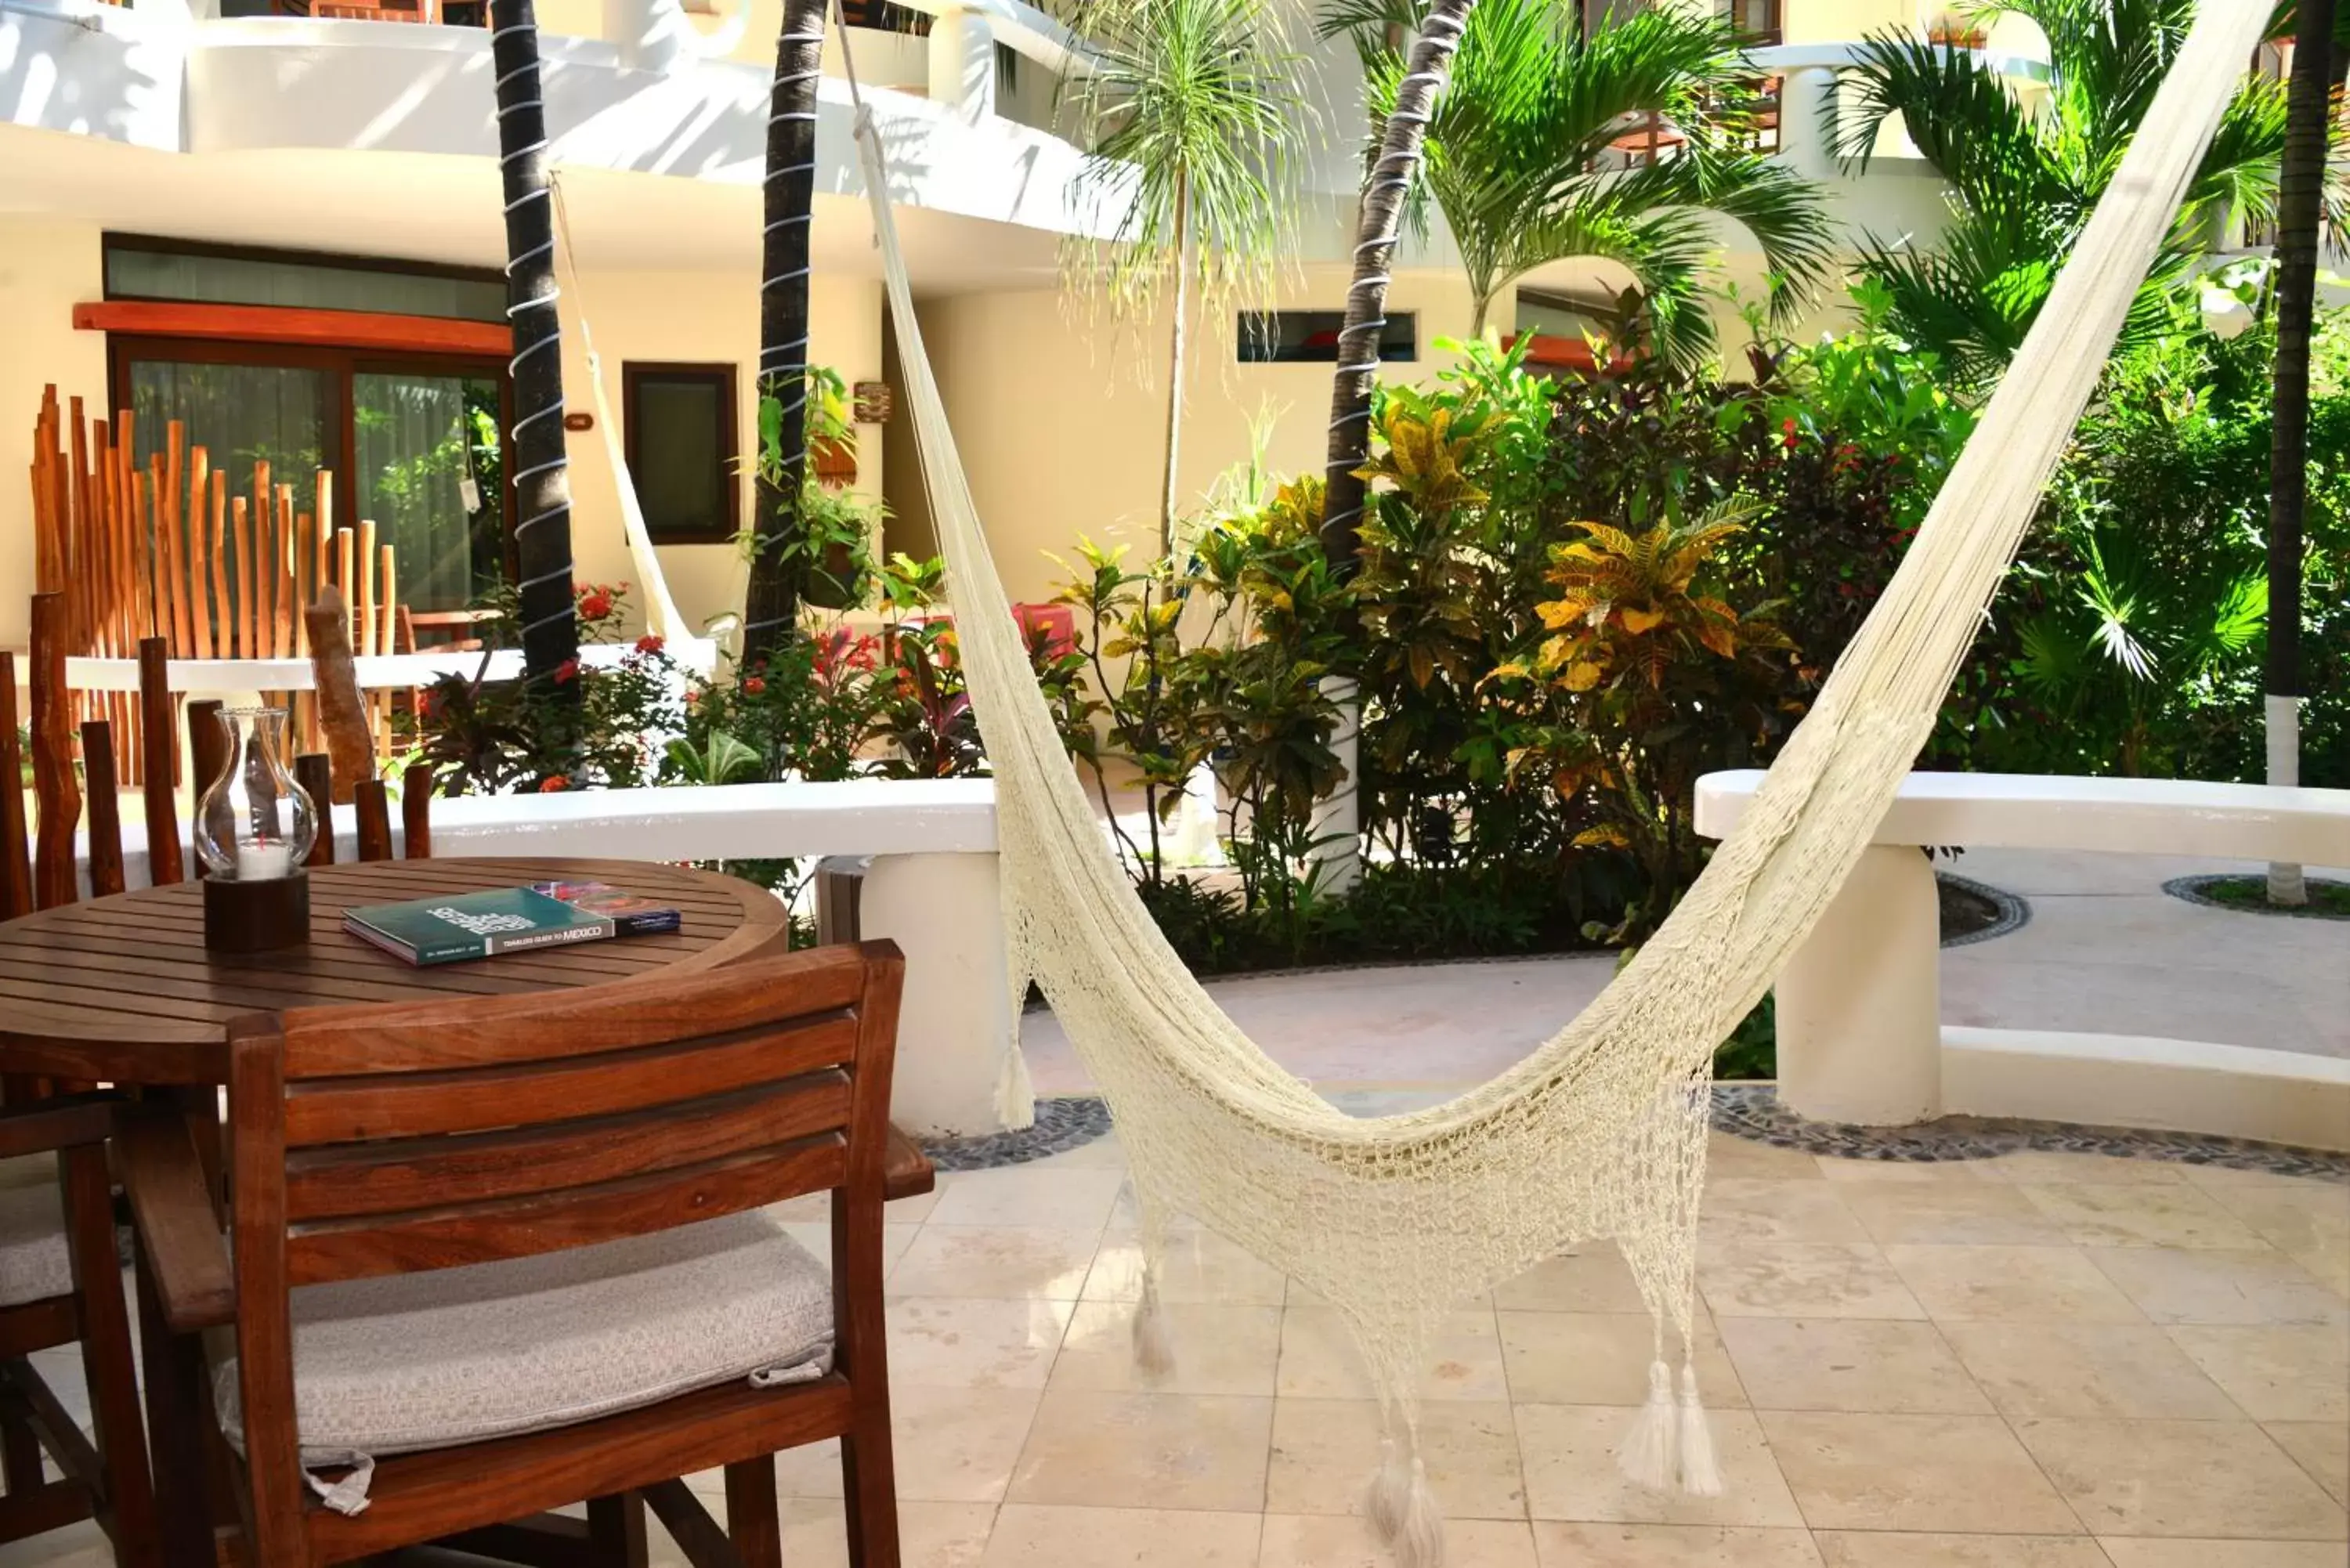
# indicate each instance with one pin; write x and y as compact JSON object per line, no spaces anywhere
{"x":46,"y":266}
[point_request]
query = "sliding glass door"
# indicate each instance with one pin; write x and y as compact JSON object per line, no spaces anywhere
{"x":429,"y":477}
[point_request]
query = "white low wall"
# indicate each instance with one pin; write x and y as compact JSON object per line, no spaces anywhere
{"x":1859,"y":1033}
{"x":933,"y":889}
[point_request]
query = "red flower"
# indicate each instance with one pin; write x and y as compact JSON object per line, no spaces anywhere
{"x":596,"y":604}
{"x":692,"y":698}
{"x":649,"y":643}
{"x":753,"y":684}
{"x":554,"y":786}
{"x":1787,"y":435}
{"x":566,"y":671}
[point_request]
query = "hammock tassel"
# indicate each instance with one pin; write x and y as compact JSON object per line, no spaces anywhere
{"x":1401,"y":1508}
{"x":1700,"y":1473}
{"x":1154,"y":1349}
{"x":1647,"y":1455}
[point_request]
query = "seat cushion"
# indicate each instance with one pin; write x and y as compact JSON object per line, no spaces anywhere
{"x":423,"y":1361}
{"x":34,"y":1262}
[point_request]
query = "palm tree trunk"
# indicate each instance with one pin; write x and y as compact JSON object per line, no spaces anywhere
{"x":771,"y":603}
{"x":1367,"y":297}
{"x":1175,"y":362}
{"x":2301,"y":177}
{"x":550,"y":626}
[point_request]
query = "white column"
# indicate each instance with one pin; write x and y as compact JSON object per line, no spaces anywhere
{"x":1859,"y":1013}
{"x":958,"y":1068}
{"x":651,"y":35}
{"x":1338,"y":818}
{"x":1804,"y":143}
{"x":962,"y":64}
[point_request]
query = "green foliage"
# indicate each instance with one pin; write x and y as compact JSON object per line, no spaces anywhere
{"x":1520,"y":158}
{"x":829,"y":552}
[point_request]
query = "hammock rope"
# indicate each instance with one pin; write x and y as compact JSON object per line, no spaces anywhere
{"x":1600,"y":1134}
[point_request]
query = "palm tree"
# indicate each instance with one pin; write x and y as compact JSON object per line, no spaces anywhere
{"x":550,"y":626}
{"x":1193,"y":115}
{"x":1522,"y":164}
{"x":1378,"y":226}
{"x":771,"y":599}
{"x":2301,"y":181}
{"x":2023,"y":180}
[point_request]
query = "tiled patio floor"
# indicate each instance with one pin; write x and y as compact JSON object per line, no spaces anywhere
{"x":2044,"y":1362}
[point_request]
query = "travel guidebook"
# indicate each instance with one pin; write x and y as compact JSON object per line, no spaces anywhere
{"x":507,"y":919}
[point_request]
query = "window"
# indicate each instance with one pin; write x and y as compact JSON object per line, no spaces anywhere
{"x":1754,"y":21}
{"x":679,"y":422}
{"x":138,"y":267}
{"x":1310,"y":337}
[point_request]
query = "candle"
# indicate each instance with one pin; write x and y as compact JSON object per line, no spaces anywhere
{"x":263,"y":862}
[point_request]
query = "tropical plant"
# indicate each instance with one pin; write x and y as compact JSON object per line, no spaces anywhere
{"x":1192,"y":116}
{"x":827,"y":556}
{"x":541,"y":531}
{"x":770,"y":605}
{"x":2023,"y":179}
{"x":1522,"y":161}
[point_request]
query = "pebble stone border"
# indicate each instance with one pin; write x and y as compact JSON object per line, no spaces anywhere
{"x":1064,"y":1122}
{"x":2192,"y":889}
{"x":1752,"y":1111}
{"x":2014,"y":914}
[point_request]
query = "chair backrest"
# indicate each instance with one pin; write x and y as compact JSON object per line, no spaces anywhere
{"x":381,"y":1140}
{"x":371,"y":809}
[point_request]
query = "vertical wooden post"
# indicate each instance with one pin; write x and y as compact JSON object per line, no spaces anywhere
{"x":105,"y":809}
{"x":223,"y":616}
{"x":207,"y":759}
{"x":200,"y":553}
{"x":15,"y":854}
{"x":164,"y":862}
{"x":315,"y":774}
{"x":416,"y":811}
{"x":55,"y":787}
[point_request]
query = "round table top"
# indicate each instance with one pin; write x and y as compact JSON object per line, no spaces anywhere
{"x":122,"y":989}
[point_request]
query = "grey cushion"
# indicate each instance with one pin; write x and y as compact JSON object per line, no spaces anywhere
{"x":423,"y":1361}
{"x":34,"y":1262}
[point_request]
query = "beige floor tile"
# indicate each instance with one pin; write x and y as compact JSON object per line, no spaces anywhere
{"x":1977,"y":1213}
{"x":2057,"y":1165}
{"x":958,"y":1342}
{"x":1106,"y":1153}
{"x":1729,"y":1155}
{"x":1218,"y":1350}
{"x":951,"y":1445}
{"x":1572,"y":1474}
{"x":1803,"y":1279}
{"x":1126,"y":1214}
{"x":1030,"y":1536}
{"x":2086,"y":1369}
{"x":1602,"y":1358}
{"x":2177,"y":1286}
{"x":2223,"y":1479}
{"x":2298,"y":1217}
{"x":930,"y":1534}
{"x":1324,"y":1450}
{"x":2034,"y":1284}
{"x":2137,"y":1214}
{"x":1891,"y":1549}
{"x":1095,"y":1449}
{"x":1340,"y":1541}
{"x":1016,"y":1262}
{"x":815,"y":1235}
{"x":2276,"y":1374}
{"x":1067,"y":1199}
{"x":1907,"y":1171}
{"x":1757,"y":1209}
{"x":1593,"y":1278}
{"x":2321,"y":1447}
{"x":1193,"y":1266}
{"x":1849,"y":1363}
{"x":1963,"y":1474}
{"x":2151,"y":1554}
{"x":1568,"y":1545}
{"x":1319,"y":1361}
{"x":78,"y":1545}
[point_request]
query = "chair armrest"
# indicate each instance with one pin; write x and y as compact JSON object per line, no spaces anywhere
{"x":906,"y":1171}
{"x":179,"y":1236}
{"x":62,"y":1121}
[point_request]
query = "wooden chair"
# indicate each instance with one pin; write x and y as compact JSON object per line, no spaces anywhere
{"x":525,"y":1140}
{"x":61,"y":1283}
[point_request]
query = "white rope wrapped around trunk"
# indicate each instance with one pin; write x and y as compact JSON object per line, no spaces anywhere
{"x":1601,"y":1132}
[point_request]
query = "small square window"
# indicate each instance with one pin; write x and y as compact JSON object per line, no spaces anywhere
{"x":679,"y":436}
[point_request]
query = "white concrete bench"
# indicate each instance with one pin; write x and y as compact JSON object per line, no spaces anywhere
{"x":932,"y":886}
{"x":1860,"y":1037}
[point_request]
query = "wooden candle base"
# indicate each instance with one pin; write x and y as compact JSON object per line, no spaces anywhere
{"x":256,"y":917}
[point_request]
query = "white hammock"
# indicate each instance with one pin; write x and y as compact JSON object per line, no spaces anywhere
{"x":1601,"y":1132}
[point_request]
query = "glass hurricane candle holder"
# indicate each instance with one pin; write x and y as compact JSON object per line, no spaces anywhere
{"x":254,"y":826}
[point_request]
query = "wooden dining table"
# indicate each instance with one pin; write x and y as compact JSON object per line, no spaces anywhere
{"x":122,"y":990}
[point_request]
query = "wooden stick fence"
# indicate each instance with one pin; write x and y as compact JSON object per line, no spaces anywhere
{"x":172,"y":550}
